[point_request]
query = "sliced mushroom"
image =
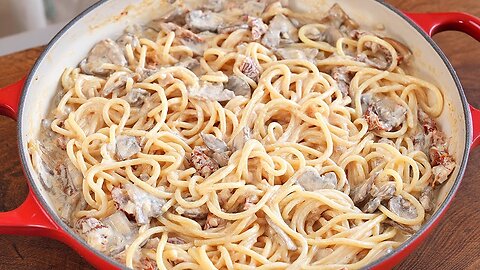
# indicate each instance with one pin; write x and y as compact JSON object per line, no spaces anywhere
{"x":331,"y":35}
{"x":199,"y":213}
{"x":254,"y":8}
{"x":282,"y":235}
{"x":241,"y":138}
{"x":128,"y":38}
{"x":338,"y":17}
{"x":297,"y":53}
{"x":126,"y":147}
{"x":104,"y":52}
{"x":402,"y":208}
{"x":137,"y":202}
{"x":211,"y":91}
{"x":343,"y":77}
{"x":280,"y":28}
{"x":214,"y":5}
{"x":379,"y":61}
{"x":175,"y":15}
{"x":94,"y":232}
{"x":230,"y":28}
{"x":427,"y":199}
{"x":239,"y":86}
{"x":384,"y":193}
{"x":399,"y":226}
{"x":176,"y":240}
{"x":115,"y":83}
{"x":136,"y":97}
{"x":404,"y":53}
{"x":221,"y":152}
{"x":199,"y":20}
{"x":421,"y":141}
{"x":361,"y":192}
{"x":311,"y":180}
{"x":385,"y":114}
{"x":189,"y":63}
{"x":442,"y":171}
{"x":213,"y":143}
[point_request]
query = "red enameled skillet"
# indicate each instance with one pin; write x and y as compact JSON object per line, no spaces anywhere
{"x":28,"y":101}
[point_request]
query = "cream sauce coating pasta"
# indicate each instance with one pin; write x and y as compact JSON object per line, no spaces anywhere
{"x":244,"y":137}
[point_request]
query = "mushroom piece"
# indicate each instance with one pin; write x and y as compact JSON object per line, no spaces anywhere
{"x":280,"y":29}
{"x":136,"y":97}
{"x":175,"y":15}
{"x":199,"y":20}
{"x":311,"y":180}
{"x":427,"y":199}
{"x":331,"y":35}
{"x":104,"y":52}
{"x":379,"y":61}
{"x":199,"y":213}
{"x":404,"y":53}
{"x":137,"y":202}
{"x":176,"y":240}
{"x":421,"y":141}
{"x":188,"y":63}
{"x":384,"y":193}
{"x":343,"y":77}
{"x":220,"y":150}
{"x":214,"y":5}
{"x":285,"y":239}
{"x":241,"y":138}
{"x":443,"y":170}
{"x":128,"y":38}
{"x":254,"y":8}
{"x":213,"y":143}
{"x":94,"y":232}
{"x":202,"y":162}
{"x":385,"y":114}
{"x":399,"y":226}
{"x":194,"y":41}
{"x":115,"y":83}
{"x":294,"y":53}
{"x":239,"y":86}
{"x":230,"y":28}
{"x":402,"y":208}
{"x":211,"y":91}
{"x":126,"y":147}
{"x":361,"y":192}
{"x":338,"y":17}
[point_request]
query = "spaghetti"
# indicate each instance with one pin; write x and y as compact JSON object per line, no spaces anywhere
{"x":271,"y":142}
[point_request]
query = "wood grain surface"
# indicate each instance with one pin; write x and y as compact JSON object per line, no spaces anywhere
{"x":454,"y":244}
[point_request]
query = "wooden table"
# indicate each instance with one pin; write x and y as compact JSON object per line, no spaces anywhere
{"x":455,"y":244}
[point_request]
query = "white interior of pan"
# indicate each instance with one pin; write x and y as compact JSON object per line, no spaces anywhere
{"x":110,"y":18}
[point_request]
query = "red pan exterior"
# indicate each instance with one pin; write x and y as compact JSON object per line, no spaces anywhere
{"x":31,"y":218}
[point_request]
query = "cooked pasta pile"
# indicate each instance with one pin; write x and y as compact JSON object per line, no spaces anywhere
{"x":244,"y":137}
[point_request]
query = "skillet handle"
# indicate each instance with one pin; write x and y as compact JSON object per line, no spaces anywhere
{"x":433,"y":23}
{"x":29,"y":218}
